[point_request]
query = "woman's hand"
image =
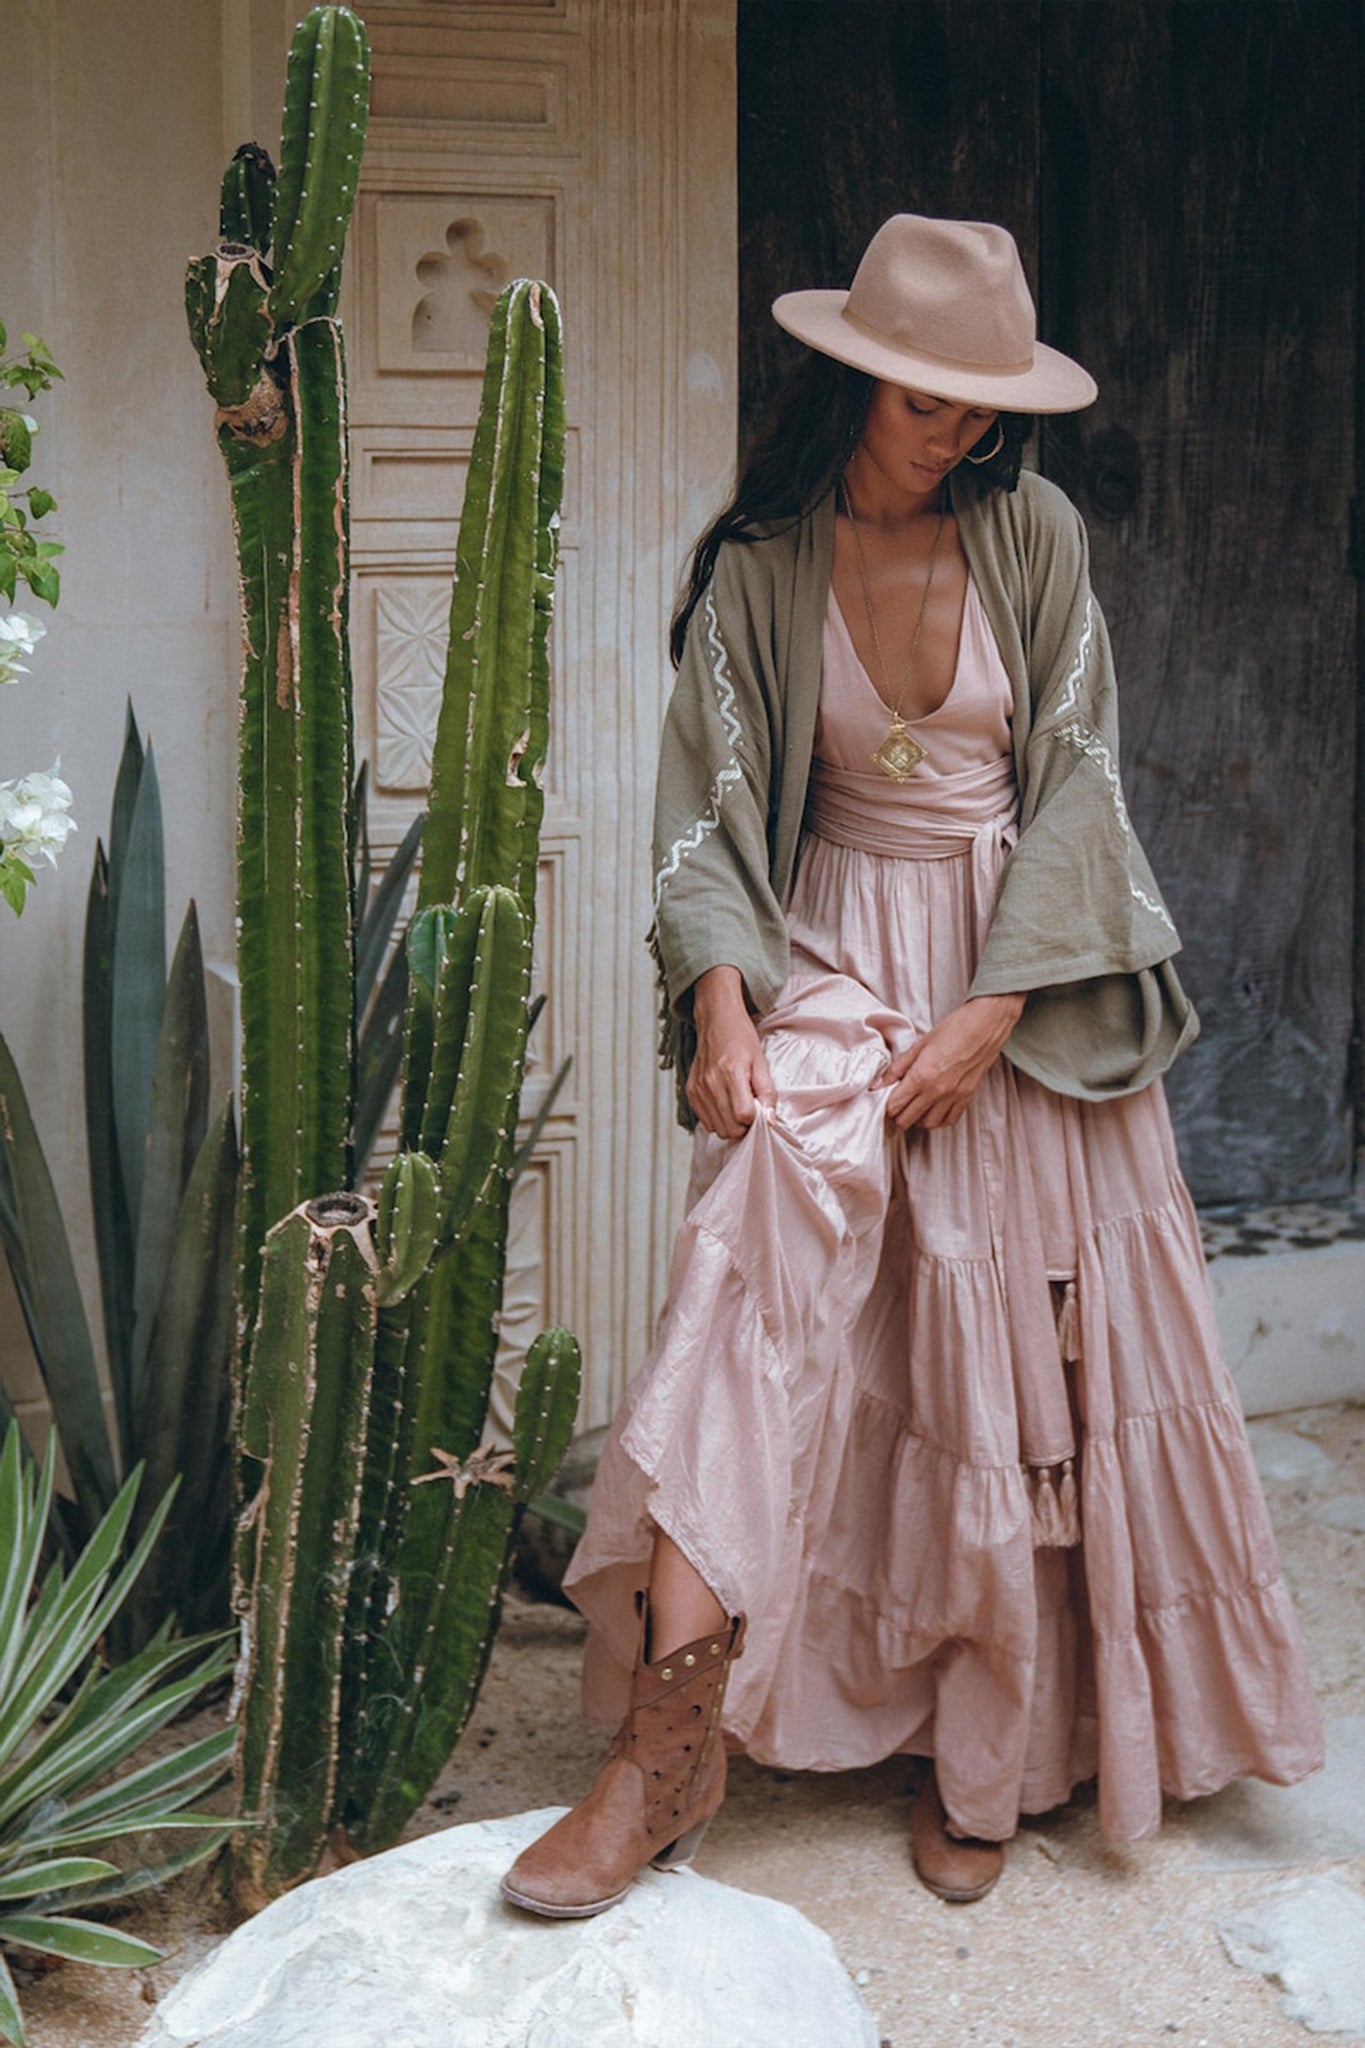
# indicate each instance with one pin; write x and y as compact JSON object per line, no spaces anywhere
{"x":729,"y":1079}
{"x":932,"y":1083}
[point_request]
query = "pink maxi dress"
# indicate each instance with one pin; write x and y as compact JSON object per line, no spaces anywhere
{"x":944,"y":1413}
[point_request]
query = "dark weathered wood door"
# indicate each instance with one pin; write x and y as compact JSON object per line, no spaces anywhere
{"x":1184,"y":181}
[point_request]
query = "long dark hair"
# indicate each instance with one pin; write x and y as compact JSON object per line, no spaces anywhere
{"x":797,"y":457}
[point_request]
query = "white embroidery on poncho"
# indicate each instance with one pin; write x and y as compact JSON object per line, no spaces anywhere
{"x":1077,"y":735}
{"x":1067,"y":701}
{"x":688,"y":842}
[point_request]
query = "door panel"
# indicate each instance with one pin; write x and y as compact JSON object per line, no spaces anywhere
{"x":1199,"y":203}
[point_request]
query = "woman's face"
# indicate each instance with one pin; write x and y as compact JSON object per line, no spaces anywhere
{"x":914,"y":439}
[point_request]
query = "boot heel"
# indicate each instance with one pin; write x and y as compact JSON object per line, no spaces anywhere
{"x":680,"y":1853}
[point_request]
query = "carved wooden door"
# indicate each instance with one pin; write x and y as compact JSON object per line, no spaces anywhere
{"x":1185,"y":185}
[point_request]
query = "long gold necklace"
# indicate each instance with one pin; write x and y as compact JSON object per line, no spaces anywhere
{"x":900,"y":753}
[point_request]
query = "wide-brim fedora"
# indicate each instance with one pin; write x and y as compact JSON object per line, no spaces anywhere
{"x":944,"y":307}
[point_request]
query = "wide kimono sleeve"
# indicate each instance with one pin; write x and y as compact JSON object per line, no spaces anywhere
{"x":1080,"y":924}
{"x":714,"y":902}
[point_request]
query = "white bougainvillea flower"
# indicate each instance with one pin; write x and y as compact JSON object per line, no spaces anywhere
{"x":18,"y":635}
{"x":34,"y":816}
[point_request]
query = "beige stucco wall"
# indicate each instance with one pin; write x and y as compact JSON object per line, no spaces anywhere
{"x":110,"y":154}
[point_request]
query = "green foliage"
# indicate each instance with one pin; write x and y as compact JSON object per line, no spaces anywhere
{"x":16,"y":879}
{"x":76,"y":1830}
{"x":163,"y":1188}
{"x":23,"y":554}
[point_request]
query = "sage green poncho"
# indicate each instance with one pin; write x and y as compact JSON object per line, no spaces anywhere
{"x":1079,"y":923}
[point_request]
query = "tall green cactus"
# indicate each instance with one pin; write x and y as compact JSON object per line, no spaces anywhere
{"x":301,"y":1434}
{"x":262,"y":311}
{"x":369,"y":1597}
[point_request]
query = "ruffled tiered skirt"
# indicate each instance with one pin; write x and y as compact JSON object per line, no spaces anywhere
{"x":829,"y":1425}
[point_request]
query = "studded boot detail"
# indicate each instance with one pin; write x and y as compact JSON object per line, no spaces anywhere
{"x":661,"y":1782}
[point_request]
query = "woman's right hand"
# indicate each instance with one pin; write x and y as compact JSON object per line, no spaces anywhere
{"x":728,"y":1081}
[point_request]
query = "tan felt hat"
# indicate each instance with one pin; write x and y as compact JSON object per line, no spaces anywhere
{"x":942,"y":306}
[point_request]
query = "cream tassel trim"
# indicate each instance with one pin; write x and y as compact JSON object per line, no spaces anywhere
{"x":1069,"y":1325}
{"x":1055,"y":1507}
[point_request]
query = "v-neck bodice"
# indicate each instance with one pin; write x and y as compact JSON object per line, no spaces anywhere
{"x":967,"y":777}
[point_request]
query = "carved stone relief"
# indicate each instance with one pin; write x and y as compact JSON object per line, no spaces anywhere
{"x":442,"y":259}
{"x":411,"y":626}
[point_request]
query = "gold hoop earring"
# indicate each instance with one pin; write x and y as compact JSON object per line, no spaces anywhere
{"x":990,"y":453}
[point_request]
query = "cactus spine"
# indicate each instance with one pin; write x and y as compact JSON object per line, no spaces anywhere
{"x":369,"y":1597}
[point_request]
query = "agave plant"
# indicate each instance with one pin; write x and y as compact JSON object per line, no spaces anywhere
{"x":163,"y":1188}
{"x":73,"y":1834}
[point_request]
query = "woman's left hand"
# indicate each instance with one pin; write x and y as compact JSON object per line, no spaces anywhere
{"x":932,"y":1083}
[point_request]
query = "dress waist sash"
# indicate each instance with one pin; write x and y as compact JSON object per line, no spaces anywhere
{"x":933,"y":819}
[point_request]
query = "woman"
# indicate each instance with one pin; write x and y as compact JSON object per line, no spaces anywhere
{"x":935,"y":1412}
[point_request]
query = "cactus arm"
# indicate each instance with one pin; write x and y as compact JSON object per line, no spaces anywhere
{"x":462,"y":935}
{"x":547,"y":1402}
{"x":384,"y":1494}
{"x":409,"y":1207}
{"x":319,"y":630}
{"x":428,"y":940}
{"x":483,"y":1110}
{"x":451,"y":1615}
{"x":303,"y":1426}
{"x":456,"y":1610}
{"x":551,"y":497}
{"x":325,"y":102}
{"x":294,"y":888}
{"x":486,"y":802}
{"x":201,"y":276}
{"x":246,"y":200}
{"x":227,"y":306}
{"x":262,"y":510}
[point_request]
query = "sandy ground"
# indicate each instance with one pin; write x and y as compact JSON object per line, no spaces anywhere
{"x":1080,"y":1946}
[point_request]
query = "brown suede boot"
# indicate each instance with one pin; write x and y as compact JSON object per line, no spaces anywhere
{"x":663,"y":1779}
{"x":958,"y":1868}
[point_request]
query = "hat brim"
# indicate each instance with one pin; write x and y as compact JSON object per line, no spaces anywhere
{"x":1052,"y":382}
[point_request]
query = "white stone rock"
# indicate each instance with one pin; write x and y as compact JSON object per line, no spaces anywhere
{"x":415,"y":1949}
{"x":1309,"y":1938}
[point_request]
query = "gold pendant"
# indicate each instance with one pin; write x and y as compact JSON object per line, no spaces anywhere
{"x":899,"y":754}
